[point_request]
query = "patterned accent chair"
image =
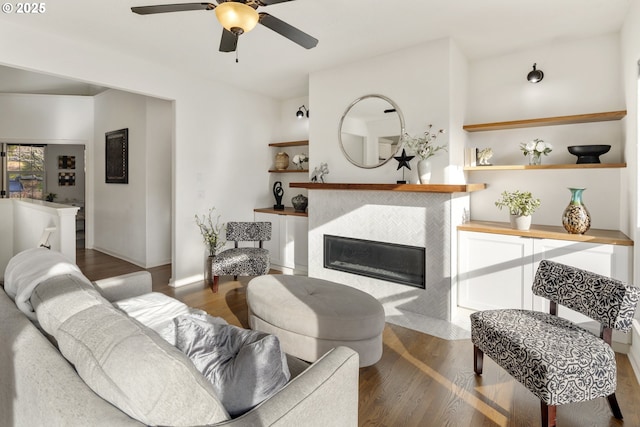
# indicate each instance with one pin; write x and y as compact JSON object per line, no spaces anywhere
{"x":243,"y":261}
{"x":554,"y":358}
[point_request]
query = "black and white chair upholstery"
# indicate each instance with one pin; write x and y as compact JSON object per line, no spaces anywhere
{"x":243,"y":261}
{"x":554,"y":358}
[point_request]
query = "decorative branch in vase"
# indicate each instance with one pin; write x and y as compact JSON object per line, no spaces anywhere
{"x":212,"y":235}
{"x":424,"y":148}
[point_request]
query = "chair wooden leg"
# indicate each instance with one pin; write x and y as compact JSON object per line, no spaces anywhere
{"x":548,"y":414}
{"x":477,"y":360}
{"x":214,"y":284}
{"x":615,"y":408}
{"x":235,"y":278}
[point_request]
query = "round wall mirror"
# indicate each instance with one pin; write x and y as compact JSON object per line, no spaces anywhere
{"x":370,"y":131}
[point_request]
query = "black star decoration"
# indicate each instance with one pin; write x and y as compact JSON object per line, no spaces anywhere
{"x":403,"y":160}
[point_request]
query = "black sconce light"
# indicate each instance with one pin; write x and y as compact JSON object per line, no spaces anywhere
{"x":300,"y":114}
{"x":534,"y":75}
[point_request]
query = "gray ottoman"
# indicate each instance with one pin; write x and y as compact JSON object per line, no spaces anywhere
{"x":312,"y":316}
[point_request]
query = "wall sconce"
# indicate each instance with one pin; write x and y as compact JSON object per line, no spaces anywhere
{"x":534,"y":75}
{"x":300,"y":114}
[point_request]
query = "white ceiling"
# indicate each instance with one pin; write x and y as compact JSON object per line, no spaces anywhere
{"x":348,"y":30}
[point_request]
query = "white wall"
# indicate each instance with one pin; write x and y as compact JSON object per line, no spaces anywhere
{"x":45,"y":118}
{"x":289,"y":128}
{"x":50,"y":119}
{"x":416,"y":79}
{"x":32,"y":217}
{"x":581,"y":76}
{"x":217,"y":154}
{"x":6,"y":233}
{"x":574,"y":83}
{"x":630,"y":46}
{"x":159,"y":132}
{"x":133,"y":220}
{"x":65,"y":193}
{"x":120,"y":209}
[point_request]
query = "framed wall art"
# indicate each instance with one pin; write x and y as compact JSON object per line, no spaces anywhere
{"x":66,"y":162}
{"x":66,"y":179}
{"x":117,"y":157}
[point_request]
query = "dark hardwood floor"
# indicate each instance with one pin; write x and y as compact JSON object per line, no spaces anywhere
{"x":421,"y":380}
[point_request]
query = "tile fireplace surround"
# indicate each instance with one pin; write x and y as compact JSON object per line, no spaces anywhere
{"x":422,"y":219}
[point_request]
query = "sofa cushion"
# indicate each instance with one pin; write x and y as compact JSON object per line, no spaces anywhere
{"x":154,"y":309}
{"x":245,"y":367}
{"x":130,"y":366}
{"x":29,"y":269}
{"x":58,"y":298}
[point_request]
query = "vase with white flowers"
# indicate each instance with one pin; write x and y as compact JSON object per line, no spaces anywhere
{"x":534,"y":149}
{"x":423,"y":147}
{"x":300,"y":159}
{"x":521,"y":205}
{"x":211,"y":231}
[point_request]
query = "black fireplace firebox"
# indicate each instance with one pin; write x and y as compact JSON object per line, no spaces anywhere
{"x":380,"y":260}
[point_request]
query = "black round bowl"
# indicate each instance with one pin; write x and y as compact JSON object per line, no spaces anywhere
{"x":588,"y":153}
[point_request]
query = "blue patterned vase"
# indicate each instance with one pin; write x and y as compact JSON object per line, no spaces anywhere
{"x":576,"y":218}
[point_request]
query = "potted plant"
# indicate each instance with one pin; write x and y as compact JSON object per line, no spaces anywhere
{"x":521,"y":205}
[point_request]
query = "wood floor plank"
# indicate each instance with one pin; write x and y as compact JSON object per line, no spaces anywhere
{"x":421,"y":380}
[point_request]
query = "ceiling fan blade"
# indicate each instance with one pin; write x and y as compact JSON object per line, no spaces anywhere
{"x":269,"y":2}
{"x":164,"y":8}
{"x":228,"y":42}
{"x":288,"y":31}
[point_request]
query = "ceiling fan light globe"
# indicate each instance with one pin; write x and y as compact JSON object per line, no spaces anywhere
{"x":237,"y":17}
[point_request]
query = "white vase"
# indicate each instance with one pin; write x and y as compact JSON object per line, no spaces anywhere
{"x":424,"y":171}
{"x":520,"y":222}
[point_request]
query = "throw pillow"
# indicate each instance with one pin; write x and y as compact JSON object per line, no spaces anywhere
{"x":245,"y":367}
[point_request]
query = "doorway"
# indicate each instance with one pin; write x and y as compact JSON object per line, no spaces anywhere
{"x":50,"y":172}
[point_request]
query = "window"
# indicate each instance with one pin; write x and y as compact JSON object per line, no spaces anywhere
{"x":25,"y":171}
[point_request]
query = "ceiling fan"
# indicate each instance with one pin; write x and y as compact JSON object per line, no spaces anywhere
{"x":237,"y":17}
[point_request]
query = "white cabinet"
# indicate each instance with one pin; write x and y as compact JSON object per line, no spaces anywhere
{"x":494,"y":271}
{"x":497,"y":271}
{"x":289,"y":241}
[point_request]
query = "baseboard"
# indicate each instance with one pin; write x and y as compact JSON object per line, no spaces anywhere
{"x":132,"y":261}
{"x":119,"y":256}
{"x":186,"y":281}
{"x":298,"y":271}
{"x":634,"y":350}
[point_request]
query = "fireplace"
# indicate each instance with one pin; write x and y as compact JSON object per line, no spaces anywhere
{"x":380,"y":260}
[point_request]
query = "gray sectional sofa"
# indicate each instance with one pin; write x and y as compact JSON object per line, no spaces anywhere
{"x":83,"y":362}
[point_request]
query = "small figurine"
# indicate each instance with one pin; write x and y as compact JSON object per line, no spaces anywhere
{"x":484,"y":155}
{"x":319,"y":173}
{"x":403,"y":162}
{"x":278,"y":192}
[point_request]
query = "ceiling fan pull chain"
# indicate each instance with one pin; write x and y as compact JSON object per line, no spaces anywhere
{"x":237,"y":47}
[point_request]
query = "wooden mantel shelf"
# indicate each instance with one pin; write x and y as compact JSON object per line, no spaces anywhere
{"x":609,"y":237}
{"x":415,"y":188}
